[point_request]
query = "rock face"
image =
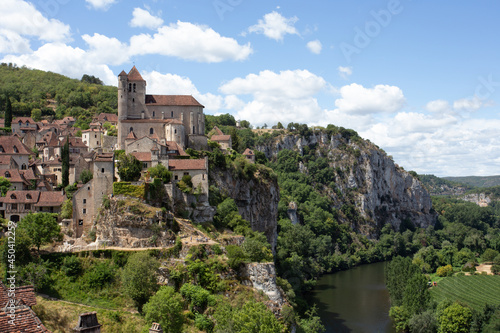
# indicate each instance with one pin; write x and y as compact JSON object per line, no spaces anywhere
{"x":480,"y":199}
{"x":262,"y":276}
{"x":365,"y":177}
{"x":257,"y":200}
{"x":130,"y":223}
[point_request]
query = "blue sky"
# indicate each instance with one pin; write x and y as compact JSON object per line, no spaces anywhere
{"x":421,"y":79}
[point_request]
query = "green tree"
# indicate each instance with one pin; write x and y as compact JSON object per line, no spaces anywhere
{"x":165,"y":308}
{"x":42,"y":228}
{"x":312,"y":323}
{"x":65,"y":163}
{"x":397,"y":274}
{"x":252,"y":317}
{"x":160,"y":171}
{"x":129,"y":168}
{"x":416,"y":295}
{"x":400,"y":317}
{"x":455,"y":319}
{"x":67,"y":209}
{"x":23,"y":244}
{"x":86,"y":176}
{"x":139,"y":277}
{"x":8,"y":112}
{"x":4,"y":186}
{"x":36,"y":114}
{"x":424,"y":322}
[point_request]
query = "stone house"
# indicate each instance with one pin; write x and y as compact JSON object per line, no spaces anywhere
{"x":92,"y":138}
{"x":107,"y":118}
{"x":223,"y":140}
{"x":7,"y":162}
{"x":17,"y":180}
{"x":197,"y":169}
{"x":77,"y":164}
{"x":17,"y":204}
{"x":13,"y":147}
{"x":88,"y":199}
{"x":54,"y":147}
{"x":22,"y":125}
{"x":249,"y":155}
{"x":176,"y":118}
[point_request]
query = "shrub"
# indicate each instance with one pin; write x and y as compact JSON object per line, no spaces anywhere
{"x":199,"y":297}
{"x":101,"y":274}
{"x":71,"y":266}
{"x":445,"y":271}
{"x":470,"y":267}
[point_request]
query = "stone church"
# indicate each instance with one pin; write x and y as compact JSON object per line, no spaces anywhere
{"x":177,"y":118}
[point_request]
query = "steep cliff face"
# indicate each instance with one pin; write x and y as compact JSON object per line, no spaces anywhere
{"x":257,"y":199}
{"x":480,"y":199}
{"x":365,"y":177}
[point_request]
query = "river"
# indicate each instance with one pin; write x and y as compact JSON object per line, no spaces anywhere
{"x":354,"y":301}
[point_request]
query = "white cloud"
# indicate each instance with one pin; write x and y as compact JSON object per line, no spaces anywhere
{"x":438,"y":105}
{"x":314,"y":46}
{"x":360,"y":100}
{"x":275,"y":26}
{"x":468,"y":104}
{"x":11,"y":42}
{"x":22,"y":18}
{"x":63,"y":59}
{"x":345,"y":72}
{"x":171,"y":84}
{"x":143,"y":18}
{"x":190,"y":41}
{"x":105,"y":50}
{"x":101,"y":4}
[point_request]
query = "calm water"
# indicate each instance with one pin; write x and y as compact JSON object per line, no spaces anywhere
{"x":354,"y":301}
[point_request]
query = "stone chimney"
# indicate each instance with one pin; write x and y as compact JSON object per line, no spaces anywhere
{"x":87,"y":322}
{"x":155,"y":328}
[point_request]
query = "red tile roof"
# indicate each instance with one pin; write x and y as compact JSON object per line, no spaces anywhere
{"x":248,"y":152}
{"x":105,"y":157}
{"x":218,"y":131}
{"x":220,"y":137}
{"x":111,"y":117}
{"x":134,"y":75}
{"x":175,"y":165}
{"x":13,"y":175}
{"x":24,"y":293}
{"x":28,"y":174}
{"x":5,"y":159}
{"x":9,"y":142}
{"x":24,"y":120}
{"x":51,"y":199}
{"x":131,"y":135}
{"x":172,"y":100}
{"x":143,"y":157}
{"x":29,"y":197}
{"x":25,"y":321}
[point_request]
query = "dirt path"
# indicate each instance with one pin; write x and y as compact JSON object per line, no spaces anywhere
{"x":484,"y":268}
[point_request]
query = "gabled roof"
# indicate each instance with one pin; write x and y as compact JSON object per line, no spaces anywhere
{"x":51,"y":199}
{"x":13,"y":175}
{"x":172,"y":100}
{"x":9,"y":142}
{"x":179,"y":165}
{"x":5,"y":159}
{"x":26,"y":321}
{"x":220,"y":138}
{"x":172,"y":145}
{"x":26,"y":197}
{"x":143,"y":157}
{"x":131,"y":135}
{"x":134,"y":75}
{"x":24,"y":120}
{"x":24,"y":293}
{"x":105,"y":157}
{"x":111,"y":117}
{"x":217,"y":131}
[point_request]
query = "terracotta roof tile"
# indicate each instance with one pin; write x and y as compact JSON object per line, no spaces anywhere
{"x":51,"y":199}
{"x":5,"y":159}
{"x":220,"y":137}
{"x":143,"y":157}
{"x":24,"y":293}
{"x":134,"y":75}
{"x":13,"y":175}
{"x":248,"y":152}
{"x":26,"y":321}
{"x":131,"y":135}
{"x":9,"y":142}
{"x":217,"y":131}
{"x":29,"y":197}
{"x":106,"y":157}
{"x":172,"y":100}
{"x":24,"y":120}
{"x":28,"y":174}
{"x":198,"y":164}
{"x":111,"y":117}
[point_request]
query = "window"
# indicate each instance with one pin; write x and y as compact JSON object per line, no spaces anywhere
{"x":95,"y":136}
{"x":151,"y":131}
{"x":80,"y":222}
{"x":176,"y":177}
{"x":175,"y":131}
{"x":203,"y":176}
{"x":23,"y":167}
{"x":88,"y":188}
{"x":131,"y":129}
{"x":193,"y":130}
{"x":27,"y":207}
{"x":1,"y":149}
{"x":133,"y":100}
{"x":153,"y":114}
{"x":7,"y":174}
{"x":13,"y":196}
{"x":102,"y":170}
{"x":16,"y":150}
{"x":84,"y":201}
{"x":13,"y":206}
{"x":130,"y":87}
{"x":144,"y":165}
{"x":84,"y":211}
{"x":186,"y":173}
{"x":134,"y":87}
{"x":171,"y":114}
{"x":28,"y":196}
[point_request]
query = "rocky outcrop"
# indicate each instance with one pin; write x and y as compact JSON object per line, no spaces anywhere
{"x":262,"y":276}
{"x":130,"y":223}
{"x":366,"y":178}
{"x":480,"y":199}
{"x":257,"y":199}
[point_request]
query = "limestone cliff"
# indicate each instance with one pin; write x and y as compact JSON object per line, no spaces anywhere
{"x":480,"y":199}
{"x":365,"y":177}
{"x":257,"y":199}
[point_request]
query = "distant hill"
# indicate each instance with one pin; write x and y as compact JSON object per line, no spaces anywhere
{"x":441,"y":186}
{"x":476,"y":181}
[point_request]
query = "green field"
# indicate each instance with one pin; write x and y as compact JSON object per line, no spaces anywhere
{"x":476,"y":290}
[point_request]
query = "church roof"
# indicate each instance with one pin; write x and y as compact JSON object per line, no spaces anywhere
{"x":131,"y":135}
{"x":134,"y":75}
{"x":172,"y":100}
{"x":122,"y":73}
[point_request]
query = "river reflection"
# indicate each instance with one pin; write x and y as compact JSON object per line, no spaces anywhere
{"x":354,"y":301}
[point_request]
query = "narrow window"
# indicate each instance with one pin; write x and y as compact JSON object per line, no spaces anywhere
{"x":153,"y":114}
{"x":151,"y":131}
{"x":84,"y":201}
{"x":171,"y":114}
{"x":129,"y":87}
{"x":102,"y":170}
{"x":134,"y":87}
{"x":84,"y":211}
{"x":131,"y":129}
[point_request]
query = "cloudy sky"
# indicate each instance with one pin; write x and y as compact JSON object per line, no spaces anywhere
{"x":421,"y":79}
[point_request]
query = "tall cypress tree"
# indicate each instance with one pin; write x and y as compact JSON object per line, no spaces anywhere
{"x":65,"y":163}
{"x":8,"y":111}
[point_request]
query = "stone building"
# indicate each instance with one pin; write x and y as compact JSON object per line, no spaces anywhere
{"x":17,"y":204}
{"x":222,"y":139}
{"x":88,"y":199}
{"x":13,"y":147}
{"x":197,"y":169}
{"x":92,"y":138}
{"x":176,"y":118}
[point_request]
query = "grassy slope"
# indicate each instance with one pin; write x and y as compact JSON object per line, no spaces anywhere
{"x":476,"y":181}
{"x":476,"y":290}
